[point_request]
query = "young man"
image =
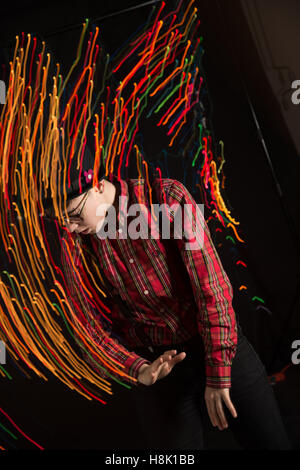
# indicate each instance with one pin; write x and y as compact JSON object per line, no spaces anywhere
{"x":191,"y":360}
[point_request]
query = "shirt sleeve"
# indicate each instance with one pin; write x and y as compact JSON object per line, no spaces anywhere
{"x":92,"y":331}
{"x":211,"y":287}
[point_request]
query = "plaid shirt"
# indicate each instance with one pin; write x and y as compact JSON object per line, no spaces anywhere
{"x":173,"y":293}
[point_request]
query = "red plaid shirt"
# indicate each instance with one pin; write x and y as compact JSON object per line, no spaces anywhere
{"x":173,"y":293}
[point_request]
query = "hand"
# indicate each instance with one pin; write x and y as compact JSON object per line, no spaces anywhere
{"x":162,"y":366}
{"x":213,"y":399}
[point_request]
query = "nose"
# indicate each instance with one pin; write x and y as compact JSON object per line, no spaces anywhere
{"x":72,"y":227}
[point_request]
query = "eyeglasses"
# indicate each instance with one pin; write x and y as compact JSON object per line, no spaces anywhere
{"x":76,"y":217}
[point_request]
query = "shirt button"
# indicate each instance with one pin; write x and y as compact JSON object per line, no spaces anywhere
{"x":120,"y":230}
{"x":131,"y":260}
{"x":146,"y":292}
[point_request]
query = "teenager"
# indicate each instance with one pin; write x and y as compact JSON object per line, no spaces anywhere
{"x":181,"y":339}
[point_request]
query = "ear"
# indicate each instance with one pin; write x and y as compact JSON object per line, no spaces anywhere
{"x":96,"y":190}
{"x":100,"y":188}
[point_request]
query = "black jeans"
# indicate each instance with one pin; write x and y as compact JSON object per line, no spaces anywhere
{"x":172,"y":412}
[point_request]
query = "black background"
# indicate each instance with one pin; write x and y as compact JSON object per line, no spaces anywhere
{"x":58,"y":417}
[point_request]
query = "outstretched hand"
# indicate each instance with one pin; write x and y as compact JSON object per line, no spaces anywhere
{"x":214,"y":398}
{"x":158,"y":369}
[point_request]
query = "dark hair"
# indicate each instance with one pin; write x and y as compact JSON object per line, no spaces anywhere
{"x":49,"y":208}
{"x":50,"y":212}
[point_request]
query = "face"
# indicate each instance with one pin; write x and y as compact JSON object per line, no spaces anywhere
{"x":87,"y":211}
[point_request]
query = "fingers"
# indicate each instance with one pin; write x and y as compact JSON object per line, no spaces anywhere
{"x":173,"y":357}
{"x":222,"y":423}
{"x":166,"y":356}
{"x":214,"y":403}
{"x":167,"y":361}
{"x":177,"y":358}
{"x":215,"y":413}
{"x":157,"y":364}
{"x":230,"y":406}
{"x":211,"y":412}
{"x":156,"y":369}
{"x":160,"y":367}
{"x":160,"y":360}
